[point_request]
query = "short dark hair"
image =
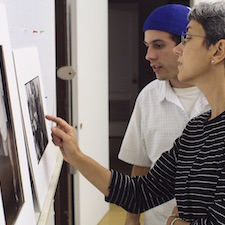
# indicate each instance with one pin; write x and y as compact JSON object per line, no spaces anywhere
{"x":176,"y":38}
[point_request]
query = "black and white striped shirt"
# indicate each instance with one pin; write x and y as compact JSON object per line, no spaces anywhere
{"x":193,"y":171}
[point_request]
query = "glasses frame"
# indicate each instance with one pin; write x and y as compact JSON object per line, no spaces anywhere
{"x":184,"y":37}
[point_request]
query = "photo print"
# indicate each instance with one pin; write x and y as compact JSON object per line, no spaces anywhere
{"x":37,"y":117}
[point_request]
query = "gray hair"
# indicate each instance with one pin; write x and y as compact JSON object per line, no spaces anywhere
{"x":211,"y":15}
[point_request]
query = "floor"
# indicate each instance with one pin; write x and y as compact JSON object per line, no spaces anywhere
{"x":116,"y":216}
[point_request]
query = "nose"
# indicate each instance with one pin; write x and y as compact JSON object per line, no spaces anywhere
{"x":150,"y":54}
{"x":178,"y":49}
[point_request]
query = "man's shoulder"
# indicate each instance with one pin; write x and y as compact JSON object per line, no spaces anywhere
{"x":153,"y":88}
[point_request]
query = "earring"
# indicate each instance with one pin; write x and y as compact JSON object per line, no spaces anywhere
{"x":212,"y":61}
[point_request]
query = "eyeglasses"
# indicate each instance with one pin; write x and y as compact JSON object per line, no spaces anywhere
{"x":186,"y":37}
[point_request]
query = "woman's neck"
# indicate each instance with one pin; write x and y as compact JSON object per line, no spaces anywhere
{"x":216,"y":99}
{"x":212,"y":85}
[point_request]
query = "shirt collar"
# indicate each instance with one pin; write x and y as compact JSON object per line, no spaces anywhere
{"x":167,"y":93}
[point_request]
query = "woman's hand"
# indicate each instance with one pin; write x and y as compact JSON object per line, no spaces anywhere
{"x":64,"y":137}
{"x":174,"y":215}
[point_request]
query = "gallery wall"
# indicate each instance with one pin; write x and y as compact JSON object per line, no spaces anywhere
{"x":32,"y":23}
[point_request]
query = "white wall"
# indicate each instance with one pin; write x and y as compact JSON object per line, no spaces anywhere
{"x":90,"y":99}
{"x":32,"y":23}
{"x":25,"y":17}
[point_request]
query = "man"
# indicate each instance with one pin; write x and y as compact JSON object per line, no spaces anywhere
{"x":163,"y":107}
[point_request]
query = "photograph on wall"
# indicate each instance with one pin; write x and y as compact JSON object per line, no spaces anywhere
{"x":10,"y":176}
{"x":37,"y":117}
{"x":41,"y":154}
{"x":16,"y":203}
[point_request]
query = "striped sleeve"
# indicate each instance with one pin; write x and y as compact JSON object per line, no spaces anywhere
{"x":141,"y":193}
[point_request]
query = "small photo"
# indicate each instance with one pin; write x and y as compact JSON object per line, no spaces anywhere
{"x":37,"y":118}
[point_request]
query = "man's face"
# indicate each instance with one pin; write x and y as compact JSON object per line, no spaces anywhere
{"x":160,"y":54}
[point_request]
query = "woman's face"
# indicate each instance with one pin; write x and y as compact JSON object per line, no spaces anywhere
{"x":194,"y":58}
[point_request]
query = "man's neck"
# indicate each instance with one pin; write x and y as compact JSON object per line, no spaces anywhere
{"x":175,"y":83}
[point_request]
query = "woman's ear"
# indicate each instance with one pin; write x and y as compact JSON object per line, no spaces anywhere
{"x":219,"y":53}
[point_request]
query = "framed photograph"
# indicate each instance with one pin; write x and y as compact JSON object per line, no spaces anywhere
{"x":42,"y":156}
{"x":16,"y":197}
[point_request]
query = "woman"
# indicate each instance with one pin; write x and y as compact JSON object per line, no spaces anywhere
{"x":194,"y":169}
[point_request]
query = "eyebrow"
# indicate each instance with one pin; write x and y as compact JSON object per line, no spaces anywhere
{"x":154,"y":41}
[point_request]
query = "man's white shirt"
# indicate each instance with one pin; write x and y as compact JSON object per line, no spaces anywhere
{"x":160,"y":114}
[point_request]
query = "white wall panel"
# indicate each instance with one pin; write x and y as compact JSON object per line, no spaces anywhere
{"x":90,"y":99}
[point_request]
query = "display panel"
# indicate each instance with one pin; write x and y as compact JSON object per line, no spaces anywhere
{"x":42,"y":158}
{"x":16,"y":202}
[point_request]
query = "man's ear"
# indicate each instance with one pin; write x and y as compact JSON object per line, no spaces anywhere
{"x":219,"y":54}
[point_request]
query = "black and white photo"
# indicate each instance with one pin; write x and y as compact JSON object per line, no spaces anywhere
{"x":37,"y":119}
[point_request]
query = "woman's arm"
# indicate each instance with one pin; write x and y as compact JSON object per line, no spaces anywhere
{"x":135,"y":195}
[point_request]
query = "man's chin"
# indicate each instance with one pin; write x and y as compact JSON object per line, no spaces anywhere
{"x":160,"y":77}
